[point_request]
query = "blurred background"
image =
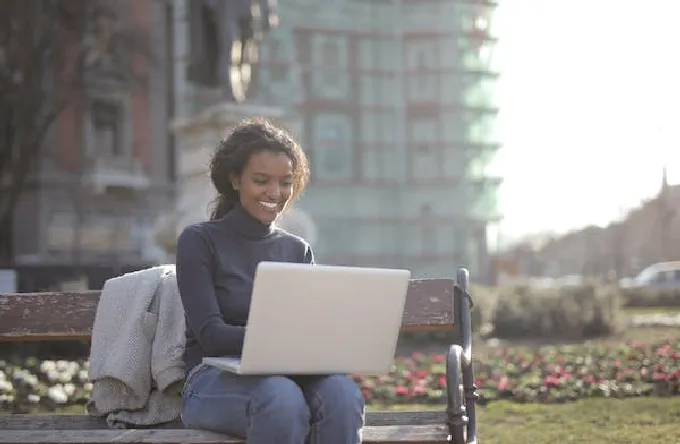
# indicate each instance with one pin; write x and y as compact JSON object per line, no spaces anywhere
{"x":533,"y":141}
{"x":527,"y":140}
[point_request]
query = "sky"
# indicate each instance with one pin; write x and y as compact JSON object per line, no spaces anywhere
{"x":589,"y":97}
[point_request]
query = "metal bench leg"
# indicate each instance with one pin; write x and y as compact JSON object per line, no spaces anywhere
{"x":461,"y":390}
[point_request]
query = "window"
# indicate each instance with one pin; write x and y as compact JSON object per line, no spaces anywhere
{"x":277,"y":60}
{"x":61,"y":231}
{"x":204,"y":40}
{"x":376,"y":165}
{"x":423,"y":80}
{"x":428,"y":230}
{"x":332,"y":149}
{"x":676,"y":276}
{"x":329,"y":68}
{"x":422,"y":131}
{"x":330,"y":61}
{"x":421,"y":57}
{"x":420,"y":54}
{"x":106,"y":119}
{"x":423,"y":155}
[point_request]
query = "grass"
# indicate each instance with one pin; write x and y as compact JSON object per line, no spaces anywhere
{"x":592,"y":421}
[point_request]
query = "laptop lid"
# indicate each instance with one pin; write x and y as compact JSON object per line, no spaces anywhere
{"x":320,"y":319}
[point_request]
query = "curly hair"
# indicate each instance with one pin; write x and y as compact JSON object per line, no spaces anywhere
{"x":252,"y":136}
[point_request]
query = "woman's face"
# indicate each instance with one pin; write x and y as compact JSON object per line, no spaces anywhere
{"x":266,"y":185}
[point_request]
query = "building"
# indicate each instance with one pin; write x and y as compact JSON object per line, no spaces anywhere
{"x":110,"y":169}
{"x":646,"y":235}
{"x":396,"y":111}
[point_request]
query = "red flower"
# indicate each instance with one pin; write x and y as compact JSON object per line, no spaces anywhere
{"x":664,"y":350}
{"x":659,"y":376}
{"x":421,"y":374}
{"x":551,"y":381}
{"x":503,"y":383}
{"x":401,"y":391}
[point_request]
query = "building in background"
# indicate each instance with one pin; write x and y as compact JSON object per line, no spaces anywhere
{"x":108,"y":168}
{"x":396,"y":110}
{"x":129,"y":162}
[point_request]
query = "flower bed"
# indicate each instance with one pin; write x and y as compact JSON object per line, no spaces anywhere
{"x":550,"y":374}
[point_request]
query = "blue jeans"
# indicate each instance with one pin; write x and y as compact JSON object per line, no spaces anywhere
{"x":274,"y":409}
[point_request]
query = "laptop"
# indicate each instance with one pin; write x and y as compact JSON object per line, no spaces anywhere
{"x":321,"y":319}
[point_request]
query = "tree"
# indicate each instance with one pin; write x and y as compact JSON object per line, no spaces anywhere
{"x":49,"y":51}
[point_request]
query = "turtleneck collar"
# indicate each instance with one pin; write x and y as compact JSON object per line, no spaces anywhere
{"x":246,"y":225}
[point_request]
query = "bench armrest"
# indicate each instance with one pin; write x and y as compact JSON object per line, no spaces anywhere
{"x":461,"y":391}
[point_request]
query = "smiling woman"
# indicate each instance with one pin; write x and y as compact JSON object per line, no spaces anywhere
{"x":260,"y":167}
{"x":257,"y":171}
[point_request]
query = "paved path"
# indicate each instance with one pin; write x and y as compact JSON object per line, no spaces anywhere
{"x":655,"y":320}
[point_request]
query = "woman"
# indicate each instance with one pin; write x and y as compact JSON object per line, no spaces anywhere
{"x":257,"y":170}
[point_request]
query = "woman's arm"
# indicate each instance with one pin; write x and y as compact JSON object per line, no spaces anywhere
{"x":197,"y":291}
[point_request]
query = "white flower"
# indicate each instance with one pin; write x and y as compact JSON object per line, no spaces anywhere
{"x":47,"y":366}
{"x":62,"y":366}
{"x":6,"y":386}
{"x":82,"y":375}
{"x":52,"y":375}
{"x":69,"y":389}
{"x":57,"y":394}
{"x":65,"y":376}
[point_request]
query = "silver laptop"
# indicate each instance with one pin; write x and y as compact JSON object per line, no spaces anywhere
{"x":321,"y":319}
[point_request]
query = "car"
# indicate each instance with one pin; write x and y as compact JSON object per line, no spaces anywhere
{"x":659,"y":276}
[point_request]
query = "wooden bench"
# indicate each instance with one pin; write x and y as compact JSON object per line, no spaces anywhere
{"x":432,"y":305}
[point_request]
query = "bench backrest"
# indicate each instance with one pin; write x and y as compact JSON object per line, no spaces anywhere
{"x":70,"y":315}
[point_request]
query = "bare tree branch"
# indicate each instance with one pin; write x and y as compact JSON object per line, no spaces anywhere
{"x":50,"y":51}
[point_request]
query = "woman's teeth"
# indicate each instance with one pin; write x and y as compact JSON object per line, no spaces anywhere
{"x":269,"y":205}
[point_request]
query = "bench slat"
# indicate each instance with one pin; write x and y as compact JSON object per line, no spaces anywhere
{"x":383,"y":435}
{"x":87,"y":422}
{"x":70,"y":315}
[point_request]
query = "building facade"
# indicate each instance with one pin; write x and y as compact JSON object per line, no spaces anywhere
{"x":395,"y":100}
{"x":107,"y":171}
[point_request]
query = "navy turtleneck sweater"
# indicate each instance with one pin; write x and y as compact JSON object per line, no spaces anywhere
{"x":216,"y":263}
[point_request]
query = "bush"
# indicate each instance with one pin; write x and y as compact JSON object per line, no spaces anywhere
{"x":567,"y":312}
{"x":644,"y":297}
